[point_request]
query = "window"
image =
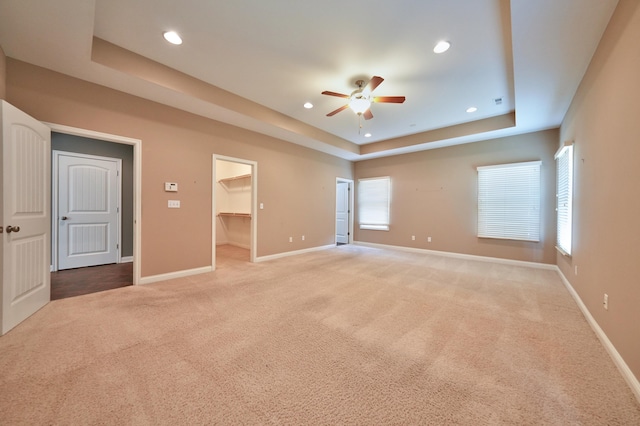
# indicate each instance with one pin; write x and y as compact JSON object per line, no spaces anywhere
{"x":564,"y":197}
{"x":374,"y":195}
{"x":509,"y":201}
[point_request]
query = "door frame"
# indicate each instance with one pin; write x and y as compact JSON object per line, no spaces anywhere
{"x":137,"y":182}
{"x":254,"y":205}
{"x":350,"y":208}
{"x":55,"y":178}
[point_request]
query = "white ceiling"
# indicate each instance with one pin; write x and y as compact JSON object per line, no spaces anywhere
{"x":282,"y":53}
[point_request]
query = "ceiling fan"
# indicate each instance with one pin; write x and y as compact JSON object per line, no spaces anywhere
{"x":360,"y":100}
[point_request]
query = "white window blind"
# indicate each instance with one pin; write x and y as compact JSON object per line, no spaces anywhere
{"x":374,"y":195}
{"x":509,"y":201}
{"x":564,"y":198}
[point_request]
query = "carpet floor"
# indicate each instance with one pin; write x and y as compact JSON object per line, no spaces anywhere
{"x":350,"y":335}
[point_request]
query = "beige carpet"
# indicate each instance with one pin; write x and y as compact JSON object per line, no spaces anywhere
{"x":351,"y":335}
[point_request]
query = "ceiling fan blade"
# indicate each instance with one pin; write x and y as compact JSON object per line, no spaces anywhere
{"x":367,"y":114}
{"x":332,"y":113}
{"x":389,"y":99}
{"x":373,"y":83}
{"x":340,"y":95}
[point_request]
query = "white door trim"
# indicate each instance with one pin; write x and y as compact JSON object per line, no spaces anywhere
{"x":254,"y":205}
{"x":137,"y":183}
{"x":55,"y":157}
{"x":335,"y":220}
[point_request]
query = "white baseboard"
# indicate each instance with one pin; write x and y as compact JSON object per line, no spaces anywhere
{"x":624,"y":369}
{"x":172,"y":275}
{"x":536,"y":265}
{"x":622,"y":366}
{"x":293,"y":253}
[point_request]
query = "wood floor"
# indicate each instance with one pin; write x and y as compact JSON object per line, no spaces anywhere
{"x":79,"y":281}
{"x":92,"y":279}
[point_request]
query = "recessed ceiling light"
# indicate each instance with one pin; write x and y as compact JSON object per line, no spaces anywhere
{"x":172,"y":37}
{"x":308,"y":105}
{"x":472,"y":109}
{"x":367,"y":135}
{"x":442,"y":47}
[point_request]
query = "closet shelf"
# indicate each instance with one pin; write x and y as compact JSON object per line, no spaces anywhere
{"x":229,"y":179}
{"x":247,"y":215}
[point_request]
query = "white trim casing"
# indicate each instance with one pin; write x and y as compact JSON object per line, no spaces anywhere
{"x":293,"y":253}
{"x":351,"y":208}
{"x":254,"y":205}
{"x":622,"y":366}
{"x":137,"y":183}
{"x":173,"y":275}
{"x":461,"y":256}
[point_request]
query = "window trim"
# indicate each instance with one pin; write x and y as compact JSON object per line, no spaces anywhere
{"x":489,"y":224}
{"x":381,"y":225}
{"x":565,"y":247}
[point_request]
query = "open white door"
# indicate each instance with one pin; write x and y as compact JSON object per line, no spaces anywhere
{"x":26,"y":189}
{"x":342,"y":212}
{"x":87,"y":217}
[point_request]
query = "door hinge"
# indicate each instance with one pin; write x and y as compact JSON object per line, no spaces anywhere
{"x":117,"y":246}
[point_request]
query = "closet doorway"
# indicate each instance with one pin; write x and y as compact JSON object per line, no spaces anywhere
{"x":234,"y":210}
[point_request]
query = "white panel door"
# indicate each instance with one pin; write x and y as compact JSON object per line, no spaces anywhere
{"x":342,"y":212}
{"x":87,"y":211}
{"x":26,"y":237}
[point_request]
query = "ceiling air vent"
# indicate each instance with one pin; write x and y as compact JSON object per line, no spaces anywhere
{"x":498,"y":101}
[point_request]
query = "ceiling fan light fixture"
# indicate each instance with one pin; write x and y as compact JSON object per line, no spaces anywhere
{"x":359,"y":103}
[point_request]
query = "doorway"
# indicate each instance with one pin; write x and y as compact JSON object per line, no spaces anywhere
{"x":234,"y":206}
{"x":344,"y":211}
{"x":128,"y":151}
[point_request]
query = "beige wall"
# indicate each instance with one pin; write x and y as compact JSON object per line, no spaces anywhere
{"x":296,"y":184}
{"x":604,"y":122}
{"x":3,"y":74}
{"x":434,"y":193}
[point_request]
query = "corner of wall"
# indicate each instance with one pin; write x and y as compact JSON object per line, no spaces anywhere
{"x":3,"y":74}
{"x":617,"y":359}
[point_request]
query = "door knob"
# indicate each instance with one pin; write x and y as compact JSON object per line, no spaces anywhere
{"x":64,"y":218}
{"x":11,"y":229}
